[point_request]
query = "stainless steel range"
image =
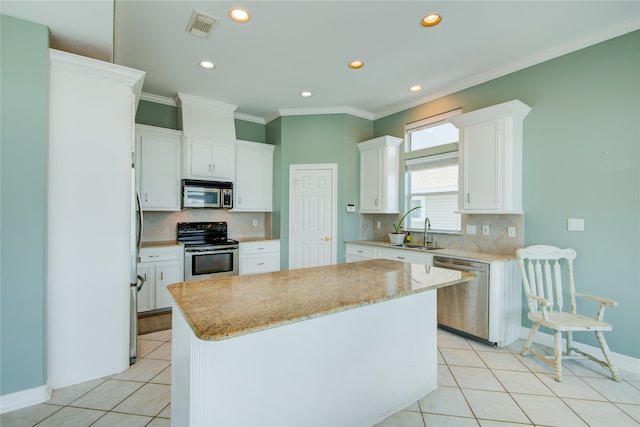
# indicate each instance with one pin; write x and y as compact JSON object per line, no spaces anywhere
{"x":208,"y":253}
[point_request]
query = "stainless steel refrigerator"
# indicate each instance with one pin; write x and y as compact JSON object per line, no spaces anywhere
{"x":136,"y":282}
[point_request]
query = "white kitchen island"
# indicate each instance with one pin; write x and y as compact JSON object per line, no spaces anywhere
{"x":341,"y":345}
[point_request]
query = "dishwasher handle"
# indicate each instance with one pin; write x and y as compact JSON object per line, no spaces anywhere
{"x":457,"y":266}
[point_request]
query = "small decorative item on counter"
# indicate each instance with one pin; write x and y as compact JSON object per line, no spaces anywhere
{"x":408,"y":238}
{"x":397,"y":237}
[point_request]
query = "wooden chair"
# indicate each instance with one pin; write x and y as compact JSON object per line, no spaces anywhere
{"x":542,"y":273}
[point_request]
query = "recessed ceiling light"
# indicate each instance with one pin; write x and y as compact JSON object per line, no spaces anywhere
{"x":207,"y":65}
{"x":239,"y":15}
{"x":415,"y":88}
{"x":306,"y":94}
{"x":356,"y":65}
{"x":431,"y":20}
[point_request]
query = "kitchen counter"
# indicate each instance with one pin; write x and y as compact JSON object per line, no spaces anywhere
{"x":255,"y":239}
{"x":346,"y":344}
{"x":230,"y":306}
{"x":458,"y":253}
{"x":160,"y":244}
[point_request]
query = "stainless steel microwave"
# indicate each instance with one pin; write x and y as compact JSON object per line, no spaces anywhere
{"x":206,"y":194}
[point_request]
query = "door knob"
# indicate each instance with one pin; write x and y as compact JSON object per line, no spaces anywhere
{"x":326,"y":238}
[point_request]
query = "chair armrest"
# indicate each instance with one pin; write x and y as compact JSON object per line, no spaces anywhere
{"x":604,"y":301}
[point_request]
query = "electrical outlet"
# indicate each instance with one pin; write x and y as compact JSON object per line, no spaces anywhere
{"x":255,"y":222}
{"x":511,"y":231}
{"x":378,"y":225}
{"x":575,"y":224}
{"x":471,"y":229}
{"x":485,"y":230}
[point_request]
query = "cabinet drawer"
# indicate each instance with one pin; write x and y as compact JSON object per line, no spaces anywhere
{"x":405,"y":255}
{"x":361,"y":251}
{"x":260,"y":263}
{"x":264,"y":246}
{"x":153,"y":254}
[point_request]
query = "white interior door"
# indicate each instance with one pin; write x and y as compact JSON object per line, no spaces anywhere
{"x":313,"y":199}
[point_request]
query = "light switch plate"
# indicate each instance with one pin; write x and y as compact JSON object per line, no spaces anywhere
{"x":511,"y":231}
{"x":471,"y":229}
{"x":575,"y":224}
{"x":485,"y":230}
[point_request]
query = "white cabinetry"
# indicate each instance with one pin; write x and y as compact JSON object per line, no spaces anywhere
{"x":158,"y":168}
{"x":160,"y":266}
{"x":208,"y":160}
{"x":355,"y":252}
{"x":380,"y":175}
{"x":259,"y":257}
{"x":491,"y":158}
{"x":254,"y":177}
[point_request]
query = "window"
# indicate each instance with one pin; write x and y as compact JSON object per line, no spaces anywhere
{"x":431,"y":179}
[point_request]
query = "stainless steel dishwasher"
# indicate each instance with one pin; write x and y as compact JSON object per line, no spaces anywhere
{"x":465,"y":307}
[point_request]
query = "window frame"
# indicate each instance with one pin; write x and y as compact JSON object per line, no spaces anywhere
{"x":434,"y":156}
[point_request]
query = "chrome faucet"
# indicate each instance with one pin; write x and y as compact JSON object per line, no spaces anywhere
{"x":427,"y":227}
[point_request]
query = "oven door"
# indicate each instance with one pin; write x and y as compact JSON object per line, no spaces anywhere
{"x":210,"y":262}
{"x":200,"y":197}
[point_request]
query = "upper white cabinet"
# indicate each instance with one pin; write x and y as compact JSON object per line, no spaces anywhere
{"x":208,"y":160}
{"x":158,"y":168}
{"x":491,"y":158}
{"x":253,"y":188}
{"x":380,"y":175}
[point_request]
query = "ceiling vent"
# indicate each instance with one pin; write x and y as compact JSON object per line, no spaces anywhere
{"x":201,"y":25}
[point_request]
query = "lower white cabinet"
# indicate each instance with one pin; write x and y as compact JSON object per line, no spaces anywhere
{"x":259,"y":257}
{"x":355,"y":252}
{"x":160,"y":266}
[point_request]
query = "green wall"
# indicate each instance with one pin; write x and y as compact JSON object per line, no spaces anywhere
{"x":581,"y":160}
{"x":24,"y":74}
{"x":307,"y":139}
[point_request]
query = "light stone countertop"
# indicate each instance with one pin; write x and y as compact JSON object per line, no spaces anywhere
{"x":160,"y":243}
{"x":226,"y":307}
{"x":458,"y":253}
{"x":255,"y":239}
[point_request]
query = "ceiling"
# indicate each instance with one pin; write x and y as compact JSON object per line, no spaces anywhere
{"x":288,"y":47}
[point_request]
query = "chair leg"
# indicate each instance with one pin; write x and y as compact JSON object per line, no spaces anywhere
{"x":607,"y":356}
{"x":569,"y":343}
{"x":557,"y":350}
{"x":527,"y":343}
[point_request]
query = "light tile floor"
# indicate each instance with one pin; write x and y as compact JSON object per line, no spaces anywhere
{"x":479,"y":386}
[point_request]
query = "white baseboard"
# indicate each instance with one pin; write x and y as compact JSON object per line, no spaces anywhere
{"x":621,"y":361}
{"x":24,"y":398}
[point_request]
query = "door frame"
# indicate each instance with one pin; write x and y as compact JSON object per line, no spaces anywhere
{"x":333,"y":167}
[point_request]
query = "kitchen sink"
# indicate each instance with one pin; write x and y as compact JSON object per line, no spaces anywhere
{"x":420,"y":247}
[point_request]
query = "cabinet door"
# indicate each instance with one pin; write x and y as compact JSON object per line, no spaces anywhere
{"x":223,"y":160}
{"x":146,"y":295}
{"x":482,"y":166}
{"x":159,"y":171}
{"x":200,"y":159}
{"x":370,"y":181}
{"x":166,"y":274}
{"x":254,"y":177}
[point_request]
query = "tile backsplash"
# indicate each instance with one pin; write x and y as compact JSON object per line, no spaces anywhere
{"x":496,"y":242}
{"x":159,"y":226}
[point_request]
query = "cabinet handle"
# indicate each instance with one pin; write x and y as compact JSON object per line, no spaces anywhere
{"x":360,"y":252}
{"x":468,"y":197}
{"x":145,"y":277}
{"x":146,"y":197}
{"x":239,"y":200}
{"x":154,"y":256}
{"x":326,"y":238}
{"x":376,"y":201}
{"x":400,"y":257}
{"x":209,"y":167}
{"x":261,"y":263}
{"x":259,"y":249}
{"x":214,"y":168}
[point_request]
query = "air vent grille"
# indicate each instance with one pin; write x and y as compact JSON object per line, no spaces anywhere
{"x":201,"y":25}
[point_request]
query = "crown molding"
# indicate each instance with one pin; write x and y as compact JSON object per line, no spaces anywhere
{"x":157,"y":99}
{"x":249,"y":118}
{"x":182,"y":97}
{"x":325,"y":110}
{"x":98,"y":69}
